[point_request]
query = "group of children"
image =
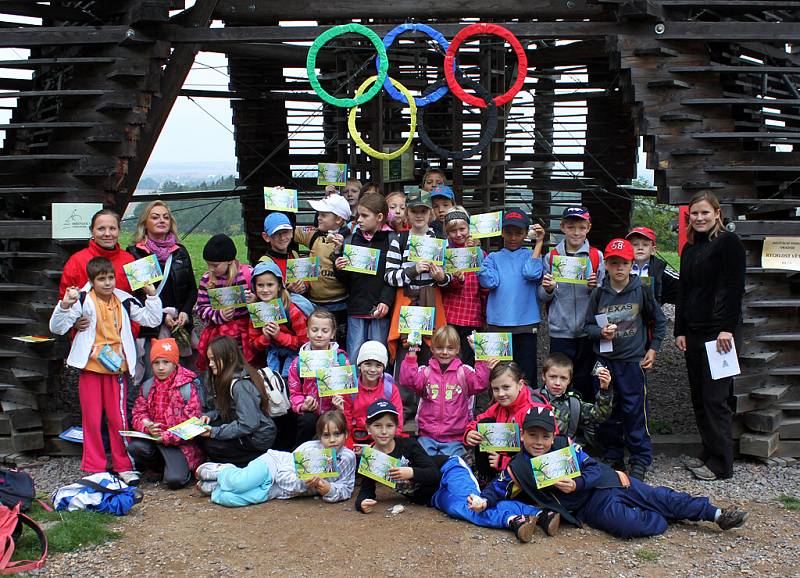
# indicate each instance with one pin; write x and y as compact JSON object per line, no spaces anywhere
{"x":604,"y":335}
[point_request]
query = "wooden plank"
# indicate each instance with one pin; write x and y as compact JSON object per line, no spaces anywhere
{"x":34,"y":63}
{"x":765,"y":420}
{"x":757,"y":135}
{"x":55,"y":423}
{"x":722,"y":69}
{"x":22,"y":441}
{"x":789,"y":429}
{"x":62,"y":93}
{"x":54,"y":446}
{"x":760,"y":445}
{"x":63,"y":35}
{"x":769,"y":103}
{"x":24,"y":419}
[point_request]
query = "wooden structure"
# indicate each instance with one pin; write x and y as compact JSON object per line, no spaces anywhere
{"x":709,"y":85}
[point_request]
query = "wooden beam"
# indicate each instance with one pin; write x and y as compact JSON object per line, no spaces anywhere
{"x":63,"y":35}
{"x":175,"y":72}
{"x":732,"y":31}
{"x":243,"y":11}
{"x":49,"y":11}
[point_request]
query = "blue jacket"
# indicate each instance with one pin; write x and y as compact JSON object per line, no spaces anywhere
{"x":512,"y":278}
{"x":516,"y":482}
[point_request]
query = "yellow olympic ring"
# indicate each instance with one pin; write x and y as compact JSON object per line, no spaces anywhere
{"x":351,"y":123}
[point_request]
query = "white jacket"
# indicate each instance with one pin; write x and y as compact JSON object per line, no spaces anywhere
{"x":62,"y":321}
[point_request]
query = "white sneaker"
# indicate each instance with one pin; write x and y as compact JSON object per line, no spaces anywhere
{"x":131,"y":477}
{"x":209,"y":471}
{"x":206,"y":487}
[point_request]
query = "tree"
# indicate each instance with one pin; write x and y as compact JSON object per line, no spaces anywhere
{"x":648,"y":212}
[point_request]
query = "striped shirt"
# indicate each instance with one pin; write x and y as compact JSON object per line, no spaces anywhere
{"x":400,"y":272}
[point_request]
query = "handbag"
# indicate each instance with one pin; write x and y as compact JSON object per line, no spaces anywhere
{"x":277,"y":392}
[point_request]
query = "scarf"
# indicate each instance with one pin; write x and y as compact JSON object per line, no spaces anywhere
{"x":162,"y":248}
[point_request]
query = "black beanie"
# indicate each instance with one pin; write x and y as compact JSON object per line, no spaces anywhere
{"x":219,"y":248}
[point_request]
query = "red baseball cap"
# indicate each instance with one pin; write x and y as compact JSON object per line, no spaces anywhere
{"x":619,"y":248}
{"x":644,"y":232}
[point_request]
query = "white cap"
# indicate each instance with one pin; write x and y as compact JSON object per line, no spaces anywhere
{"x":335,"y":204}
{"x":373,"y":351}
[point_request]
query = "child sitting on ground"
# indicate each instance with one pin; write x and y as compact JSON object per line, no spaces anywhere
{"x":512,"y":400}
{"x":274,"y":345}
{"x":601,"y":497}
{"x":303,"y":391}
{"x":273,"y":475}
{"x":223,"y":271}
{"x":373,"y":384}
{"x":512,"y":276}
{"x":168,"y":398}
{"x":652,"y":269}
{"x":630,"y":309}
{"x":104,"y":353}
{"x":416,"y":476}
{"x":447,"y":388}
{"x":571,"y":412}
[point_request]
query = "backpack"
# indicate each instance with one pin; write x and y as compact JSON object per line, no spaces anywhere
{"x":101,"y":492}
{"x":388,"y":384}
{"x":11,"y":522}
{"x":277,"y":392}
{"x":302,"y":303}
{"x":185,"y":389}
{"x":16,"y":488}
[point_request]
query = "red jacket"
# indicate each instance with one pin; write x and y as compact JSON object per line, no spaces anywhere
{"x":75,"y":269}
{"x":302,"y":387}
{"x":292,"y":335}
{"x":355,"y":405}
{"x":514,"y":413}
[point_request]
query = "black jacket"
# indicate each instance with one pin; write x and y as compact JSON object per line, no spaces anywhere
{"x":180,"y":290}
{"x":711,"y":286}
{"x":367,"y":291}
{"x":665,"y":280}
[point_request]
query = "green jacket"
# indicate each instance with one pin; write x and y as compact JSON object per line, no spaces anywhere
{"x":571,"y":412}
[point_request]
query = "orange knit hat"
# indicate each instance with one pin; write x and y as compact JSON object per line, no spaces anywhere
{"x":164,"y":349}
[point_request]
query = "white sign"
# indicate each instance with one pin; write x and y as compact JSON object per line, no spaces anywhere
{"x":72,"y":220}
{"x":781,"y":253}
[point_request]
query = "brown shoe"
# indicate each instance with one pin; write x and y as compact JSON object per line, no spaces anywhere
{"x":549,"y":521}
{"x":524,"y":527}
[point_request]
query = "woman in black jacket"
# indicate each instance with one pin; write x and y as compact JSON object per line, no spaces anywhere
{"x":709,"y":308}
{"x":157,"y":233}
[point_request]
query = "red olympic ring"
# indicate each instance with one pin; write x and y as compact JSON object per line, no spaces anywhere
{"x":496,"y":30}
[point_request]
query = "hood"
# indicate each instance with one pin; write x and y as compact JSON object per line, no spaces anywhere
{"x":634,"y":283}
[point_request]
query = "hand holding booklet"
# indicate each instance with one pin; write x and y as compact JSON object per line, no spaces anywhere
{"x":189,"y":429}
{"x":722,"y":364}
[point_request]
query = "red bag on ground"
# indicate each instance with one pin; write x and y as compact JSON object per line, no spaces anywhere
{"x":11,"y":522}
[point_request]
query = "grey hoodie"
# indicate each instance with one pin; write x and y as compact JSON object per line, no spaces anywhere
{"x":249,"y":420}
{"x":631,"y":310}
{"x":567,"y":304}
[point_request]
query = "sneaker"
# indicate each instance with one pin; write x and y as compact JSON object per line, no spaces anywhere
{"x":131,"y":477}
{"x":731,"y":518}
{"x":524,"y":527}
{"x":637,"y":470}
{"x":549,"y":521}
{"x":704,"y":474}
{"x":691,"y":463}
{"x":206,"y":487}
{"x":209,"y":471}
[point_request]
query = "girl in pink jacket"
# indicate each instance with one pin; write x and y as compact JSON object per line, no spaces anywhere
{"x":303,"y":391}
{"x":446,"y":388}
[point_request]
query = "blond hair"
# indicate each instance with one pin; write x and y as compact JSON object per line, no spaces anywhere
{"x":457,"y":209}
{"x":141,"y":230}
{"x":446,"y":335}
{"x":233,"y":270}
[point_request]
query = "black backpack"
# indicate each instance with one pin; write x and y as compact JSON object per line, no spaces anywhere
{"x":16,"y":487}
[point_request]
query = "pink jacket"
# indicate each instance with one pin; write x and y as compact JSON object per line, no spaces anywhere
{"x":301,"y":387}
{"x":445,"y":408}
{"x":165,"y":405}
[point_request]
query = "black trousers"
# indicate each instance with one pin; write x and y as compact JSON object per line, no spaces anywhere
{"x":149,"y":455}
{"x":239,"y":451}
{"x":525,"y":347}
{"x":712,"y":409}
{"x":581,"y":351}
{"x":306,"y":426}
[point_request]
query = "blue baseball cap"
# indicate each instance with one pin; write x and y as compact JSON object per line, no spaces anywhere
{"x":576,"y":213}
{"x":443,"y":191}
{"x":515,"y":217}
{"x":379,"y":407}
{"x":276,"y":222}
{"x":265,"y":266}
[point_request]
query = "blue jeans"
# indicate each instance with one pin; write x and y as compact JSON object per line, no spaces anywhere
{"x":434,"y":448}
{"x":360,"y":330}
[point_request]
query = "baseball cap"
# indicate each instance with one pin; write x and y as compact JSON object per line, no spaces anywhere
{"x":376,"y":408}
{"x":576,"y":213}
{"x":335,"y":204}
{"x":619,"y":248}
{"x":276,"y":222}
{"x":443,"y":191}
{"x":419,"y":198}
{"x":540,"y":416}
{"x":515,"y":217}
{"x":644,"y":232}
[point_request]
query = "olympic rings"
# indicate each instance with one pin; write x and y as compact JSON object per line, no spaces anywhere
{"x":311,"y":60}
{"x":483,"y":28}
{"x":488,"y":132}
{"x":437,"y":37}
{"x":351,"y":121}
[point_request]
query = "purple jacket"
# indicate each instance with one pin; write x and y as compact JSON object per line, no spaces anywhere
{"x":446,"y":402}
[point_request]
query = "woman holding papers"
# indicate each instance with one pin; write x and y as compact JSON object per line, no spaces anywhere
{"x":708,"y":309}
{"x":157,"y":234}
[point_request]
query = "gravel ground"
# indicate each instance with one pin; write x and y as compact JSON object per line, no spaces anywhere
{"x":177,"y":533}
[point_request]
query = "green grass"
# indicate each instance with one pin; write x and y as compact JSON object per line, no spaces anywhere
{"x":647,"y":555}
{"x":672,"y":258}
{"x":790,"y":502}
{"x":661,"y":427}
{"x":65,"y":531}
